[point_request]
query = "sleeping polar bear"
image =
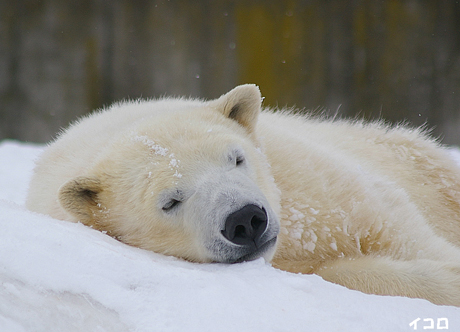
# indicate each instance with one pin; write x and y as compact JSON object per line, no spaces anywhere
{"x":366,"y":206}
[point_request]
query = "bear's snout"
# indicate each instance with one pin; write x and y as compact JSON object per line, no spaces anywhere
{"x":246,"y":226}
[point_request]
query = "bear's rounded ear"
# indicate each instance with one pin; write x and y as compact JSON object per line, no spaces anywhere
{"x":79,"y":197}
{"x":241,"y":104}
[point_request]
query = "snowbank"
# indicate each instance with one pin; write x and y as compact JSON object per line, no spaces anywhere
{"x":61,"y":276}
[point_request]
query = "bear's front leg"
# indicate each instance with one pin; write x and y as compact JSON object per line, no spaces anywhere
{"x":438,"y":282}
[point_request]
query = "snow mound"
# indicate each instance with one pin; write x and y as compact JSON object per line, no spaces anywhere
{"x":61,"y":276}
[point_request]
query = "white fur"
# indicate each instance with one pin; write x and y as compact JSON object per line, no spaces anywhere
{"x":367,"y":206}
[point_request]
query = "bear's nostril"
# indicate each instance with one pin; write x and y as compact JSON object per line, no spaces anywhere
{"x":240,"y":232}
{"x":246,"y":226}
{"x":256,"y":222}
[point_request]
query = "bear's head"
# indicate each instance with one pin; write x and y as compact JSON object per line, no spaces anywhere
{"x":189,"y":180}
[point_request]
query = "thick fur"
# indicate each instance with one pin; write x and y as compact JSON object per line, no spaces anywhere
{"x":366,"y":206}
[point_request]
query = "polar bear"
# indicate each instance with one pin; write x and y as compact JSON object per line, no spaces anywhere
{"x":364,"y":205}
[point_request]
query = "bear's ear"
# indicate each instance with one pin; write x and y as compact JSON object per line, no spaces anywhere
{"x":241,"y":104}
{"x":80,"y":198}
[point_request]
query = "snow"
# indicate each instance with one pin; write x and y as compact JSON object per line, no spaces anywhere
{"x":62,"y":276}
{"x":158,"y":149}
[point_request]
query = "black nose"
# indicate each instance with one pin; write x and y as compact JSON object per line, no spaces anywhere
{"x":246,"y":225}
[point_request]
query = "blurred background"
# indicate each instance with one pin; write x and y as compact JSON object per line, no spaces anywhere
{"x":396,"y":60}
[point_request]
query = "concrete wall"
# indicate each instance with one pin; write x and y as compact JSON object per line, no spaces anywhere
{"x":399,"y":60}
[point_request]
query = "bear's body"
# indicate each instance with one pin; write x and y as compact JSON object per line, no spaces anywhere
{"x":366,"y":206}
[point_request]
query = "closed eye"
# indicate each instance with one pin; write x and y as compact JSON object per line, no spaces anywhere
{"x":170,"y":205}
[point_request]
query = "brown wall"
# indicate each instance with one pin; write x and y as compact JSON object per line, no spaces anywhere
{"x":395,"y":59}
